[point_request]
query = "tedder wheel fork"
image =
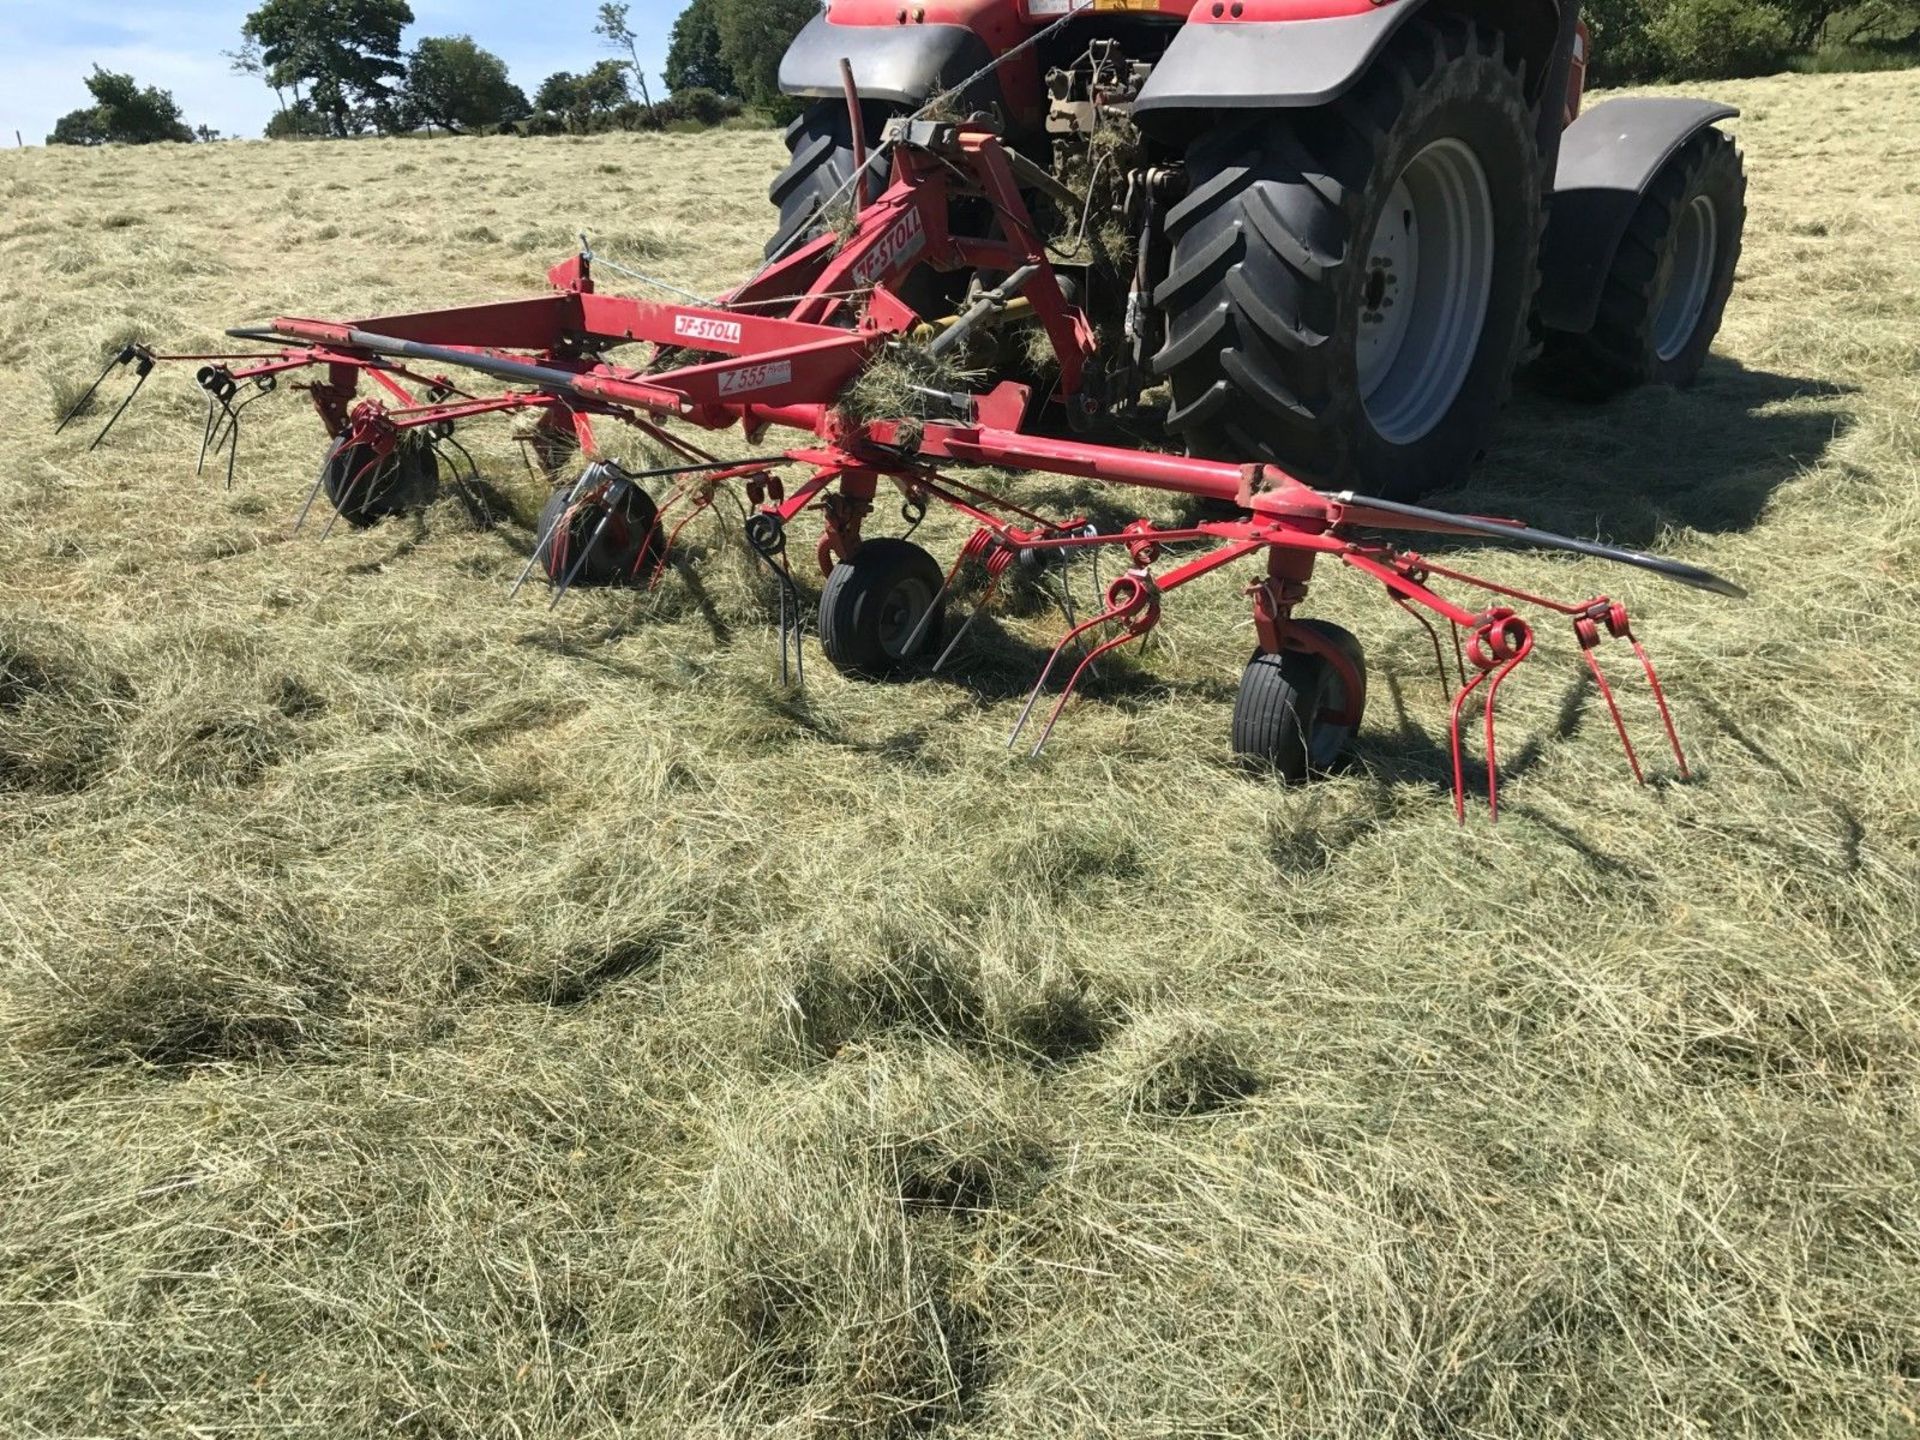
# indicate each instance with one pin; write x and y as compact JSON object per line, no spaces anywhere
{"x":783,"y":350}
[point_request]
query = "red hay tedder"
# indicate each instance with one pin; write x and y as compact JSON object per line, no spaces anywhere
{"x":919,"y":244}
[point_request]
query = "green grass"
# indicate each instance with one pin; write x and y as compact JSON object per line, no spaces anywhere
{"x":423,"y":1015}
{"x":1844,"y":59}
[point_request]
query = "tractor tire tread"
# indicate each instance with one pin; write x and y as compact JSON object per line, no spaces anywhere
{"x":1617,"y":354}
{"x":1266,"y":259}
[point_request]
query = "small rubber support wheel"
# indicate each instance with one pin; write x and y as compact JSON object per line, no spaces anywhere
{"x":628,"y":550}
{"x":1667,"y":292}
{"x":1285,"y":721}
{"x":366,"y":489}
{"x":874,"y":604}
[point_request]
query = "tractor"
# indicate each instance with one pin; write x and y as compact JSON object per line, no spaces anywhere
{"x":1320,"y":233}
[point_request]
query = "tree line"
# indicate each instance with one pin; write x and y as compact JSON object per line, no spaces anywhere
{"x":338,"y":68}
{"x":1647,"y":40}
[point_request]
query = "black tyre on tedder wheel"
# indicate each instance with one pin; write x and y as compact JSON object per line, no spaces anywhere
{"x":1664,"y":298}
{"x":366,"y":489}
{"x":1350,"y":285}
{"x":874,"y":605}
{"x":628,"y":549}
{"x":1280,"y":722}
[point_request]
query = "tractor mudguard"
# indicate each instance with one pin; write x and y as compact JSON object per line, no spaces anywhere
{"x":904,"y":64}
{"x":1608,"y":158}
{"x":1260,"y":64}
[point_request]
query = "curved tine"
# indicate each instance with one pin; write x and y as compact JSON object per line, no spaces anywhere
{"x":1439,"y":656}
{"x":319,"y":480}
{"x":1660,"y":699}
{"x":473,"y":466}
{"x":460,"y":481}
{"x":699,"y":508}
{"x":132,"y":395}
{"x":233,"y":433}
{"x":593,"y":541}
{"x":1493,"y":696}
{"x":542,"y":543}
{"x":790,"y":613}
{"x":91,"y":391}
{"x":674,"y":497}
{"x":799,"y":625}
{"x":207,"y":432}
{"x":347,"y":496}
{"x":217,"y":431}
{"x":926,"y":619}
{"x":1066,"y":599}
{"x":233,"y":449}
{"x":786,"y":674}
{"x":979,"y":609}
{"x":1073,"y":682}
{"x":1459,"y":761}
{"x":1046,"y":671}
{"x":1613,"y":709}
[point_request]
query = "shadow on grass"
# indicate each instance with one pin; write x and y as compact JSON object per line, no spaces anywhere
{"x":1709,"y":458}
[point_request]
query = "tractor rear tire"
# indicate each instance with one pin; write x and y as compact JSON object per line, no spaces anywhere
{"x":628,"y":551}
{"x":1277,"y":725}
{"x":1666,"y":295}
{"x":821,"y":142}
{"x":874,"y":604}
{"x":1350,"y":285}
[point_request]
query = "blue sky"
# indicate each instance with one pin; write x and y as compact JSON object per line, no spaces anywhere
{"x":48,"y":47}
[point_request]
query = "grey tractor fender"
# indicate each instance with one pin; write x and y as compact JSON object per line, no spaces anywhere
{"x":1263,"y":64}
{"x":904,"y":64}
{"x":1608,"y":158}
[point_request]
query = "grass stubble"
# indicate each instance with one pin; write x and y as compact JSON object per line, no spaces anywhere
{"x":423,"y":1015}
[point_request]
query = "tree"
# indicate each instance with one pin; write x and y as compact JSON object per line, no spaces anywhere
{"x":580,"y":97}
{"x":694,"y":61}
{"x":296,"y":122}
{"x":1806,"y":20}
{"x":347,"y":52}
{"x":754,"y":35}
{"x":558,"y":93}
{"x":79,"y":127}
{"x":122,"y":113}
{"x":617,"y":33}
{"x":456,"y":85}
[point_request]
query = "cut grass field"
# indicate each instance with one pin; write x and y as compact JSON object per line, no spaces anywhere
{"x":424,"y":1015}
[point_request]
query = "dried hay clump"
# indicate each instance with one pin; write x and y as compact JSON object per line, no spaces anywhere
{"x":61,"y":708}
{"x":1181,"y":1065}
{"x":812,"y":1291}
{"x":1097,"y":173}
{"x":909,"y":384}
{"x":205,"y":974}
